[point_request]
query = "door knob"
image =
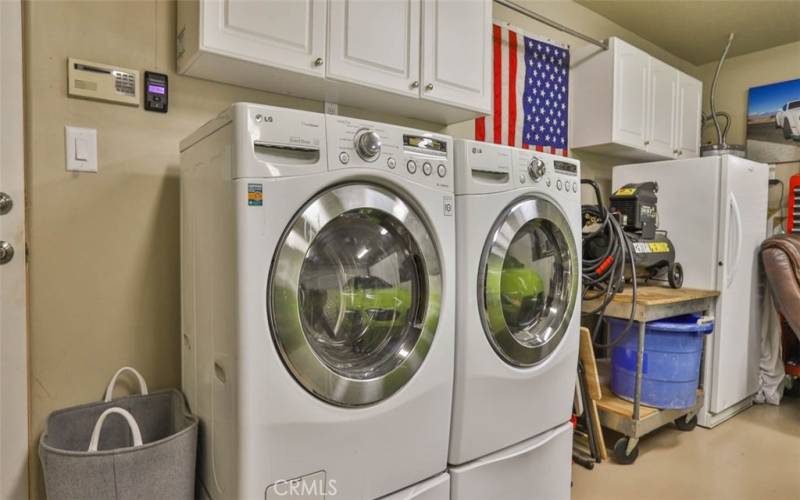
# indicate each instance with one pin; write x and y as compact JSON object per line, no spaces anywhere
{"x":646,"y":143}
{"x":429,"y":86}
{"x":318,"y":61}
{"x":6,"y":203}
{"x":6,"y":252}
{"x":414,"y":84}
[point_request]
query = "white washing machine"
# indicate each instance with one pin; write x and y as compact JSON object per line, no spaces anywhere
{"x":317,"y":270}
{"x":518,"y":233}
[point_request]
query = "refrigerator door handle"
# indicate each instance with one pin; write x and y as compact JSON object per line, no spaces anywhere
{"x":736,"y":222}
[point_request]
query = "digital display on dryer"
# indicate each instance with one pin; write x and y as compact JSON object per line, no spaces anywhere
{"x":565,"y":167}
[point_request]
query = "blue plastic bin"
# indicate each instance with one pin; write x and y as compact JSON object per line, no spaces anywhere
{"x":673,"y":349}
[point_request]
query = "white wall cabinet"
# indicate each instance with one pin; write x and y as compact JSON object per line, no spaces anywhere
{"x":375,"y":43}
{"x":662,"y":107}
{"x":628,"y":104}
{"x":688,"y":122}
{"x":427,"y":59}
{"x":457,"y":53}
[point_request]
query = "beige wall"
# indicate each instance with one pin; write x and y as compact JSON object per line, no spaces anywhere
{"x":737,"y":76}
{"x":103,"y":247}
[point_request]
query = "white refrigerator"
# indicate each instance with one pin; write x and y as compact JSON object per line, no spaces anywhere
{"x":713,"y":209}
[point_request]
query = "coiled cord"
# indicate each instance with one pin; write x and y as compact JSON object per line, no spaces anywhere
{"x":603,"y":273}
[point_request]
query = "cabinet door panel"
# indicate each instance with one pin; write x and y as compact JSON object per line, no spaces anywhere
{"x":375,"y":43}
{"x":285,"y":34}
{"x":690,"y":95}
{"x":630,"y":95}
{"x":662,"y":97}
{"x":456,"y":52}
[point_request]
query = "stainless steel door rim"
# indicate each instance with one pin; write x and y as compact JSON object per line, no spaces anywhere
{"x":528,"y":344}
{"x":328,"y":297}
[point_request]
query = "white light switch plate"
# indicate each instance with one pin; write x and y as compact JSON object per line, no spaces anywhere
{"x":81,"y":149}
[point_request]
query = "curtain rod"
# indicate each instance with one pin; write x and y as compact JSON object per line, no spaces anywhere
{"x":549,"y":22}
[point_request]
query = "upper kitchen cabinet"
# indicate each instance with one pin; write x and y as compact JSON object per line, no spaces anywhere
{"x":630,"y":105}
{"x":375,"y":43}
{"x":457,"y":58}
{"x":258,"y":44}
{"x":427,"y":59}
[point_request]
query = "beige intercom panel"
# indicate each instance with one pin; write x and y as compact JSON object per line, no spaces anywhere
{"x":103,"y":82}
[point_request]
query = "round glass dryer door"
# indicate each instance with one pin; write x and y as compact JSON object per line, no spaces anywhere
{"x":354,"y":294}
{"x":528,"y":281}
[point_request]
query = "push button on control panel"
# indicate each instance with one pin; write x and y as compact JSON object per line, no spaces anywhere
{"x":344,"y":157}
{"x":427,"y":169}
{"x":559,"y":184}
{"x":575,"y":187}
{"x":391,"y":163}
{"x":411,"y":166}
{"x":441,"y":170}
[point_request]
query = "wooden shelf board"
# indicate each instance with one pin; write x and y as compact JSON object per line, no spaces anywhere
{"x":614,"y":404}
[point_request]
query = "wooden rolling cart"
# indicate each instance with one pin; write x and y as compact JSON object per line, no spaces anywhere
{"x":632,"y":419}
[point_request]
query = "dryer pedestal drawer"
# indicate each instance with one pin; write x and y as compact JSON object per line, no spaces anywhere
{"x":435,"y":488}
{"x":538,"y":468}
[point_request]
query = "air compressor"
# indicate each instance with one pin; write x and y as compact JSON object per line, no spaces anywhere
{"x":628,"y":231}
{"x":634,"y":205}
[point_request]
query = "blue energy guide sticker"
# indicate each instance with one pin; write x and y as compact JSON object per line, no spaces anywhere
{"x":255,"y":195}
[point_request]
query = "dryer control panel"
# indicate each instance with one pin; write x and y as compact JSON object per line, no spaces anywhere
{"x":422,"y":156}
{"x":551,"y":172}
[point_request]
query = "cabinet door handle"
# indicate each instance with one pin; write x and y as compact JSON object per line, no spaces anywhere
{"x":674,"y":151}
{"x":429,"y":87}
{"x":646,"y":143}
{"x":318,"y":61}
{"x":680,"y":153}
{"x":414,"y":84}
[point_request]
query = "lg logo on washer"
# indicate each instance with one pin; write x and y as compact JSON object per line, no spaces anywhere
{"x":305,"y":487}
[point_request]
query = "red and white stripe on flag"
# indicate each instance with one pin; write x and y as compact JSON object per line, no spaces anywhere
{"x":507,"y":124}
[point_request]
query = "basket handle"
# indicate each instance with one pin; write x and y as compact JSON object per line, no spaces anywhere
{"x":98,"y":426}
{"x":110,"y":388}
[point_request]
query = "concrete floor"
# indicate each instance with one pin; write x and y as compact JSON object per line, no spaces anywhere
{"x":755,"y":455}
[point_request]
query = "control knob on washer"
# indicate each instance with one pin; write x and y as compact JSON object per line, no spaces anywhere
{"x":536,"y":168}
{"x":367,"y":144}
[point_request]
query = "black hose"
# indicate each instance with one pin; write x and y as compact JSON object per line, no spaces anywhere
{"x":603,"y":273}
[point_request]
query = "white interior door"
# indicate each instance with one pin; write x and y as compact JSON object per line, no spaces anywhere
{"x":662,"y":99}
{"x":736,"y":336}
{"x":690,"y":95}
{"x":375,"y":44}
{"x":456,"y":53}
{"x":630,"y":95}
{"x":283,"y":34}
{"x":13,"y":340}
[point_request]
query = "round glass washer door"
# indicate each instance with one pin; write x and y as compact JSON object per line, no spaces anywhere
{"x":528,"y":281}
{"x":354,"y":294}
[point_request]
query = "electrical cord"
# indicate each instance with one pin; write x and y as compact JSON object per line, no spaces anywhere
{"x":604,"y":268}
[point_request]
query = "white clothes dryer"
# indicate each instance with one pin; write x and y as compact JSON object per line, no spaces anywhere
{"x":518,"y":234}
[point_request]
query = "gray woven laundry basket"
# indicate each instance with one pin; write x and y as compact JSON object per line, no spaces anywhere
{"x":135,"y":447}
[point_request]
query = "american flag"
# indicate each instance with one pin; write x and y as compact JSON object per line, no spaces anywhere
{"x":531,"y":87}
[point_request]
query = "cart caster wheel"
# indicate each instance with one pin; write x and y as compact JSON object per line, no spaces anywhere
{"x":686,"y":425}
{"x":675,"y":275}
{"x":620,"y":448}
{"x":794,"y":391}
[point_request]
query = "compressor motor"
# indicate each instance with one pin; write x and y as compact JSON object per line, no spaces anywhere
{"x":634,"y":206}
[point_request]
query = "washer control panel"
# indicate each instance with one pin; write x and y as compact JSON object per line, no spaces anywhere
{"x":556,"y":173}
{"x":422,"y":156}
